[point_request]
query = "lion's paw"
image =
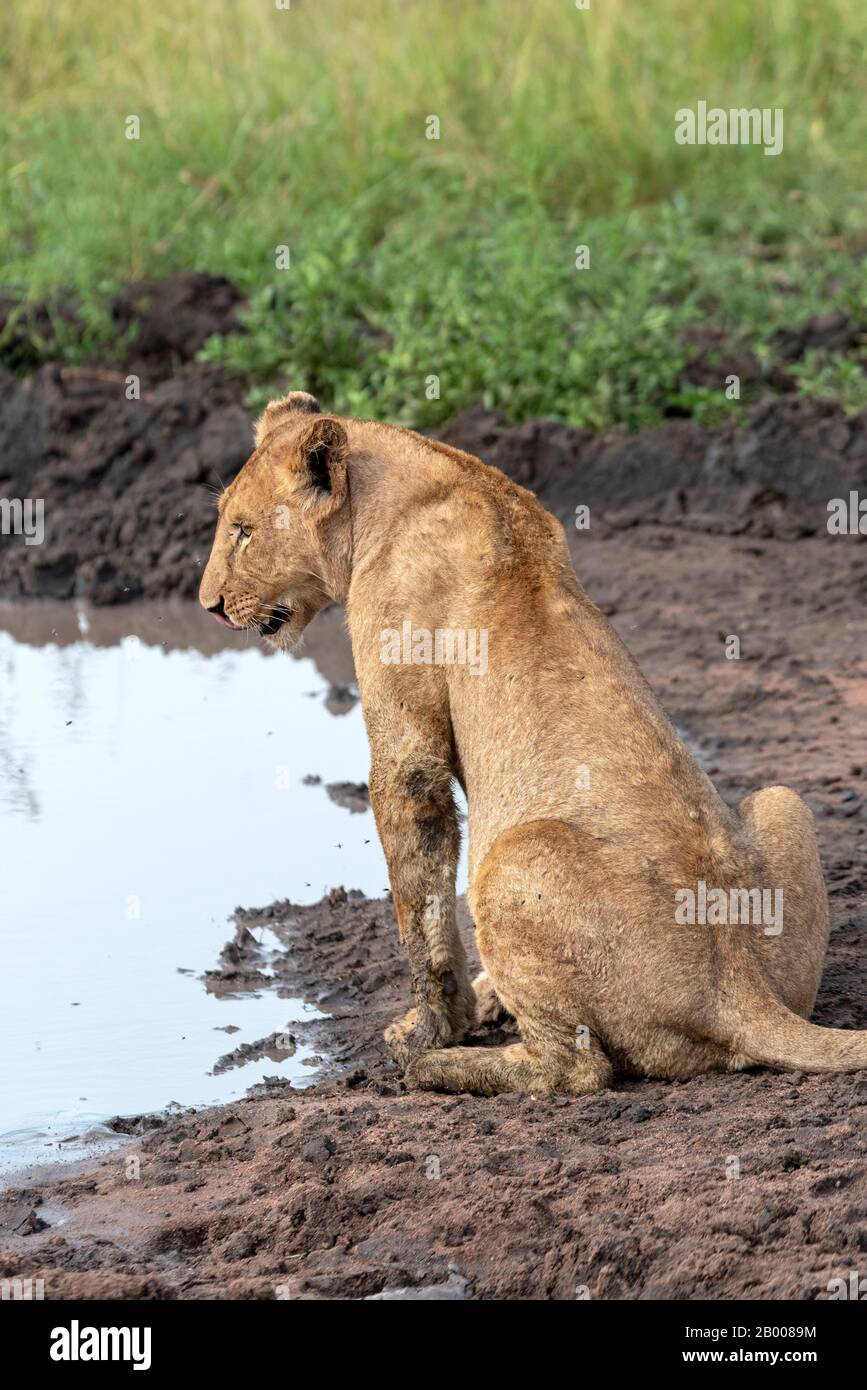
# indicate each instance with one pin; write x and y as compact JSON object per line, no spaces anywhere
{"x":426,"y":1073}
{"x":398,"y":1036}
{"x":418,"y":1031}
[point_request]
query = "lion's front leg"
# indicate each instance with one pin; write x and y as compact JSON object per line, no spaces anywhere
{"x":417,"y":823}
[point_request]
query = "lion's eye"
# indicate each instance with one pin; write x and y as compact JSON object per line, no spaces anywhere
{"x":242,"y":533}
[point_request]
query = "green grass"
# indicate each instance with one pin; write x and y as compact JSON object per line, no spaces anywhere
{"x":454,"y":258}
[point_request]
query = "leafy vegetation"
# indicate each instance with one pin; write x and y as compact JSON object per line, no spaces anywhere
{"x":412,"y":259}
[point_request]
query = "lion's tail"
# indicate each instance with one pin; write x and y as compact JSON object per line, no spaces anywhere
{"x":774,"y":1036}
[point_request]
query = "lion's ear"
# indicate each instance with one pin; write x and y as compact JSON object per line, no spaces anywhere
{"x":323,"y":450}
{"x":296,"y":403}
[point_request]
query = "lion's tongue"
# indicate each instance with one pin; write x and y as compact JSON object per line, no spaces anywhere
{"x":221,"y":618}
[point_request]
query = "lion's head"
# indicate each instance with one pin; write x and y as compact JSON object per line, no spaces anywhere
{"x":282,"y":548}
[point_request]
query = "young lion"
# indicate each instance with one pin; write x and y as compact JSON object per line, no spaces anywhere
{"x":480,"y":659}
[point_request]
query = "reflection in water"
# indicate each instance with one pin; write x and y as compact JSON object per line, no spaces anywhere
{"x":15,"y":782}
{"x":147,"y":790}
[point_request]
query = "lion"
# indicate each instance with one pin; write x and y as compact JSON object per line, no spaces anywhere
{"x":591,"y":827}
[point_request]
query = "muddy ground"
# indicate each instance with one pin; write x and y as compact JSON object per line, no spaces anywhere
{"x":127,"y":454}
{"x":352,"y":1187}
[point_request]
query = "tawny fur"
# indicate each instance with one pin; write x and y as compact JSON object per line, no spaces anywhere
{"x":586,"y":813}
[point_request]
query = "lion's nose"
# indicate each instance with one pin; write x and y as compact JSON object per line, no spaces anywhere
{"x":219,"y":611}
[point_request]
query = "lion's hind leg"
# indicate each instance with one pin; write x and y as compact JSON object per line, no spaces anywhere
{"x":523,"y":903}
{"x":489,"y":1006}
{"x":781,"y":827}
{"x":489,"y":1071}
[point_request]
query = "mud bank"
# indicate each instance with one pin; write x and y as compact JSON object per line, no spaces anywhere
{"x":128,"y":483}
{"x":353,"y":1187}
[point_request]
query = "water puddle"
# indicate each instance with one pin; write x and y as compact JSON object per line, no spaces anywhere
{"x":152,"y":780}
